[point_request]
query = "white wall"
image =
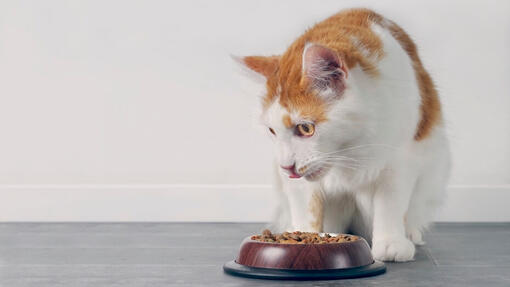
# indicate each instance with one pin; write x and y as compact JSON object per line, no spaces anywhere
{"x":144,"y":93}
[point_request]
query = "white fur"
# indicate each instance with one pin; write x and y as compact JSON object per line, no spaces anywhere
{"x":381,"y":183}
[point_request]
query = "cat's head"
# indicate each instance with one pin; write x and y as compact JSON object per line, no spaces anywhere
{"x":310,"y":109}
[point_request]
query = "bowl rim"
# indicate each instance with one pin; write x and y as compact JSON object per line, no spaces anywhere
{"x":237,"y":269}
{"x":359,"y":238}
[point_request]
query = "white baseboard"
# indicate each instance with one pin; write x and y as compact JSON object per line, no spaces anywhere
{"x":188,"y":202}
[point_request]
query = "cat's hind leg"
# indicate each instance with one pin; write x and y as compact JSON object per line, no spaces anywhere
{"x":428,"y":195}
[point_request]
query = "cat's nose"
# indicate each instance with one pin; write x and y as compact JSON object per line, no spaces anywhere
{"x":291,"y":169}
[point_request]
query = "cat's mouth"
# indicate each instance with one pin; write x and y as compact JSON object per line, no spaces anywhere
{"x":310,"y":174}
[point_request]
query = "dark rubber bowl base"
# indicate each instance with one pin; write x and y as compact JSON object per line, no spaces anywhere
{"x":236,"y":269}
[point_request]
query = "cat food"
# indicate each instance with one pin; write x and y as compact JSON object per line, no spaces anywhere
{"x":298,"y":237}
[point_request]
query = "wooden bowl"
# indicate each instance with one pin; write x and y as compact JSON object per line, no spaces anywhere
{"x":325,"y":256}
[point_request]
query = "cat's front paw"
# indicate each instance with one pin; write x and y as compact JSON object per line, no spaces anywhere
{"x":398,"y":249}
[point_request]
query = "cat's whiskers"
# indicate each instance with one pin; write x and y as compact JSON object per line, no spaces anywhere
{"x":339,"y":158}
{"x":343,"y":164}
{"x":321,"y":162}
{"x":356,"y":148}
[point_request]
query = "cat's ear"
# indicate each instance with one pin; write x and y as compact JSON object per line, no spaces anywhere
{"x":324,"y":69}
{"x":266,"y":66}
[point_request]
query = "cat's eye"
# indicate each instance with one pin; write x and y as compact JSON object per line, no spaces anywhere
{"x":272,"y":131}
{"x":305,"y":130}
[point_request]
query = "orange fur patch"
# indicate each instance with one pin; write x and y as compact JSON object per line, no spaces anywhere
{"x":430,"y":108}
{"x":287,"y":122}
{"x":286,"y":80}
{"x":336,"y":33}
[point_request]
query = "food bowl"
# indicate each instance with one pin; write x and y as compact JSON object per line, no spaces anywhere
{"x":272,"y":260}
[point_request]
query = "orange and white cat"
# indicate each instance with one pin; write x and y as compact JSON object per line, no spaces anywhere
{"x":357,"y":125}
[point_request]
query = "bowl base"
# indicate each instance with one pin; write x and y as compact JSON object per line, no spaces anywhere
{"x":236,"y":269}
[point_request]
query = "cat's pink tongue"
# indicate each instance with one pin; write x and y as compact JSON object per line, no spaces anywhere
{"x":294,"y":175}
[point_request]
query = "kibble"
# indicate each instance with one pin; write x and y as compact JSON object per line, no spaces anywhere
{"x":298,"y":237}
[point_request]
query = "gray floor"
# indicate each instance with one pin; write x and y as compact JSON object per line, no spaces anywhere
{"x":180,"y":254}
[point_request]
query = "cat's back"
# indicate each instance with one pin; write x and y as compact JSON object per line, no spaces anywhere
{"x":348,"y":21}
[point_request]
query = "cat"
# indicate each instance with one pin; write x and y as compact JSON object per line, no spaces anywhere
{"x":359,"y":133}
